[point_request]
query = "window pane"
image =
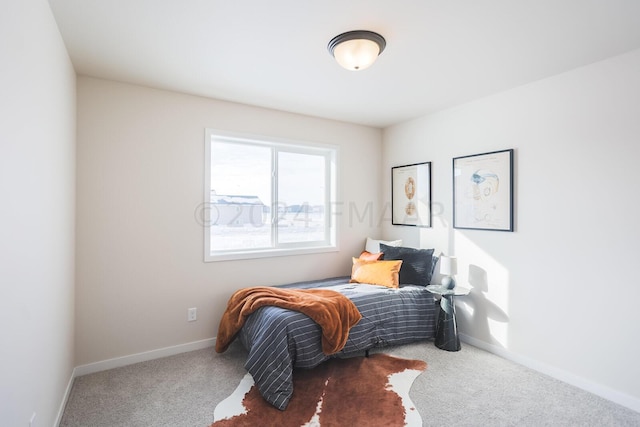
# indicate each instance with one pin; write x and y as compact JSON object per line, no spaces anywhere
{"x":266,"y":197}
{"x":240,"y":196}
{"x":301,"y":197}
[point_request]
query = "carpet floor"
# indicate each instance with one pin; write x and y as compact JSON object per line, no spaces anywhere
{"x":466,"y":388}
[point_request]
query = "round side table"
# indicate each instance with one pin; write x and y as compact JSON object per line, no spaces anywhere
{"x":446,"y":326}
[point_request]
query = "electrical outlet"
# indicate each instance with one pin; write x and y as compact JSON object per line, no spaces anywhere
{"x":192,"y":314}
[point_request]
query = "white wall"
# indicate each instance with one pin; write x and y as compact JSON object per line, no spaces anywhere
{"x":139,"y":247}
{"x":561,"y":293}
{"x":37,"y":209}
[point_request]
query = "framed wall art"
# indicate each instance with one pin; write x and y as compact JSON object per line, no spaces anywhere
{"x":483,"y":191}
{"x":411,"y":195}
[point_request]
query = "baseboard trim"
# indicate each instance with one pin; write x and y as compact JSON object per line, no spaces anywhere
{"x":65,"y":398}
{"x":559,"y":374}
{"x":142,"y":357}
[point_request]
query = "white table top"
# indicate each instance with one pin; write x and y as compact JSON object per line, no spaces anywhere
{"x":441,"y":290}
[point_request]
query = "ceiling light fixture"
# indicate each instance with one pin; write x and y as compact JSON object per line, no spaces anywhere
{"x":356,"y":50}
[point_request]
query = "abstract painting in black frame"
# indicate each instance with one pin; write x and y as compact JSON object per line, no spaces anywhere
{"x":483,"y":191}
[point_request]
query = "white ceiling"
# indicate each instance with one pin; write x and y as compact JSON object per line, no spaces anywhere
{"x":273,"y":54}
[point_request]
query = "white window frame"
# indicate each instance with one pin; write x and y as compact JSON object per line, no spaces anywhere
{"x":331,"y":152}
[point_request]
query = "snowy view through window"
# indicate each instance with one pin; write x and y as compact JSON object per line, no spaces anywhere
{"x":267,"y":196}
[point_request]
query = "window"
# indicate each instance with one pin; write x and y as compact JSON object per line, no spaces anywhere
{"x":265,"y":197}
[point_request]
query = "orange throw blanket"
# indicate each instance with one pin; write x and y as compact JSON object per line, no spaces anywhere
{"x":334,"y":312}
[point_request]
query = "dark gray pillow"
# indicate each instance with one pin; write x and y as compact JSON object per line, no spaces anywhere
{"x":417,"y":264}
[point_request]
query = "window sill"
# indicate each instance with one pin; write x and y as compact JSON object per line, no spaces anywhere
{"x":268,"y":253}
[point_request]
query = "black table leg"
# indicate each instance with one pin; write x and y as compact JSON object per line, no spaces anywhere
{"x":447,"y":328}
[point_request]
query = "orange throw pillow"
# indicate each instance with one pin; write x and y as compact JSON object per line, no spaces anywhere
{"x":381,"y":273}
{"x":368,"y":256}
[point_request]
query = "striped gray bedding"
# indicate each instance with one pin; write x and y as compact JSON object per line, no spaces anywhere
{"x":279,"y":340}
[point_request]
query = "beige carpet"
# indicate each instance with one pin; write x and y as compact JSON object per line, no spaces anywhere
{"x":466,"y":388}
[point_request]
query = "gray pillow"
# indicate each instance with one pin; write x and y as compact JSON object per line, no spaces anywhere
{"x":417,"y":264}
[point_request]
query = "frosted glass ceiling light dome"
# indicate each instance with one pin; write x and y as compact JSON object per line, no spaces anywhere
{"x":356,"y":50}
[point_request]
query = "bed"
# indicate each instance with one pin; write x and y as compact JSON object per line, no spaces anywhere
{"x":387,"y":286}
{"x":279,"y":340}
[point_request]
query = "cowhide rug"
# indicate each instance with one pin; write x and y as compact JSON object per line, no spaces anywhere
{"x":360,"y":391}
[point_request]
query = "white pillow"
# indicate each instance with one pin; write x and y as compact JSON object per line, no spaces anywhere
{"x":373,"y":246}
